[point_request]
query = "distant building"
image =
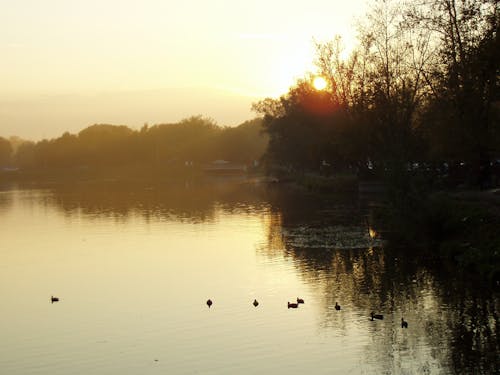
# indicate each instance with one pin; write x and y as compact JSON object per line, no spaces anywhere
{"x":224,"y":167}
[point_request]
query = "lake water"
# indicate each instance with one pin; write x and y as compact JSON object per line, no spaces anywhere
{"x":134,"y":265}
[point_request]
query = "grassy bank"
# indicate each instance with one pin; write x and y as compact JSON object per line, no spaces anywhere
{"x":458,"y":227}
{"x":315,"y":182}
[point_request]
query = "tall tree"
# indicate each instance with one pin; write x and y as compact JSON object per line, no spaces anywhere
{"x":382,"y":84}
{"x":303,"y":126}
{"x":396,"y":58}
{"x":462,"y":120}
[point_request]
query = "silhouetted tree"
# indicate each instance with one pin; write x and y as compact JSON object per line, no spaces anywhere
{"x":304,"y":126}
{"x":424,"y":77}
{"x":369,"y":110}
{"x":25,"y":155}
{"x":5,"y":151}
{"x":395,"y":58}
{"x":105,"y":145}
{"x":462,"y":121}
{"x":244,"y":143}
{"x":102,"y":146}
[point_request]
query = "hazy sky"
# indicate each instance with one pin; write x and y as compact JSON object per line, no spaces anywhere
{"x":67,"y":64}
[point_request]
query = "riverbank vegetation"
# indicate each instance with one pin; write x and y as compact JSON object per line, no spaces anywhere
{"x":168,"y":150}
{"x":420,"y":93}
{"x":416,"y":106}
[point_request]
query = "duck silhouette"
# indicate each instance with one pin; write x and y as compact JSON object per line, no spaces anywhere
{"x":53,"y":299}
{"x":337,"y":306}
{"x":404,"y":323}
{"x":209,"y":303}
{"x":299,"y":300}
{"x":292,"y":305}
{"x":376,"y":316}
{"x":255,"y":303}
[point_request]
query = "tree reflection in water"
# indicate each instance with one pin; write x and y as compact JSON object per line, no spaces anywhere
{"x":190,"y":201}
{"x":453,"y":326}
{"x":5,"y":199}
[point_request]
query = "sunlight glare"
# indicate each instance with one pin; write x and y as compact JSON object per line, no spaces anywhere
{"x":319,"y":83}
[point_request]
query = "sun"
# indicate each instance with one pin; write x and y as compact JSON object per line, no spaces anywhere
{"x":319,"y":83}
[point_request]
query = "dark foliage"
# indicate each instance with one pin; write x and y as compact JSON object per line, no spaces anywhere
{"x":195,"y":140}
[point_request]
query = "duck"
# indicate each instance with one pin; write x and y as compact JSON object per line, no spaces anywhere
{"x":337,"y":306}
{"x":292,"y":305}
{"x":54,"y":299}
{"x":376,"y":316}
{"x":404,"y":323}
{"x":299,"y":300}
{"x":255,"y":303}
{"x":209,"y":303}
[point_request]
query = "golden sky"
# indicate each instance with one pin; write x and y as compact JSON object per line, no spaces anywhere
{"x":66,"y":64}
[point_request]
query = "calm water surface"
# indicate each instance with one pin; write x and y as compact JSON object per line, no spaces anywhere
{"x":134,"y":265}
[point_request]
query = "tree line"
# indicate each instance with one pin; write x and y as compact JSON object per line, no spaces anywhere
{"x":421,"y":87}
{"x":196,"y":140}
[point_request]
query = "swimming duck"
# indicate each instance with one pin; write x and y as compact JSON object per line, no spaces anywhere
{"x":292,"y":305}
{"x":299,"y":300}
{"x":404,"y":323}
{"x":255,"y":303}
{"x":54,"y":299}
{"x":376,"y":316}
{"x":337,"y":306}
{"x":209,"y":302}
